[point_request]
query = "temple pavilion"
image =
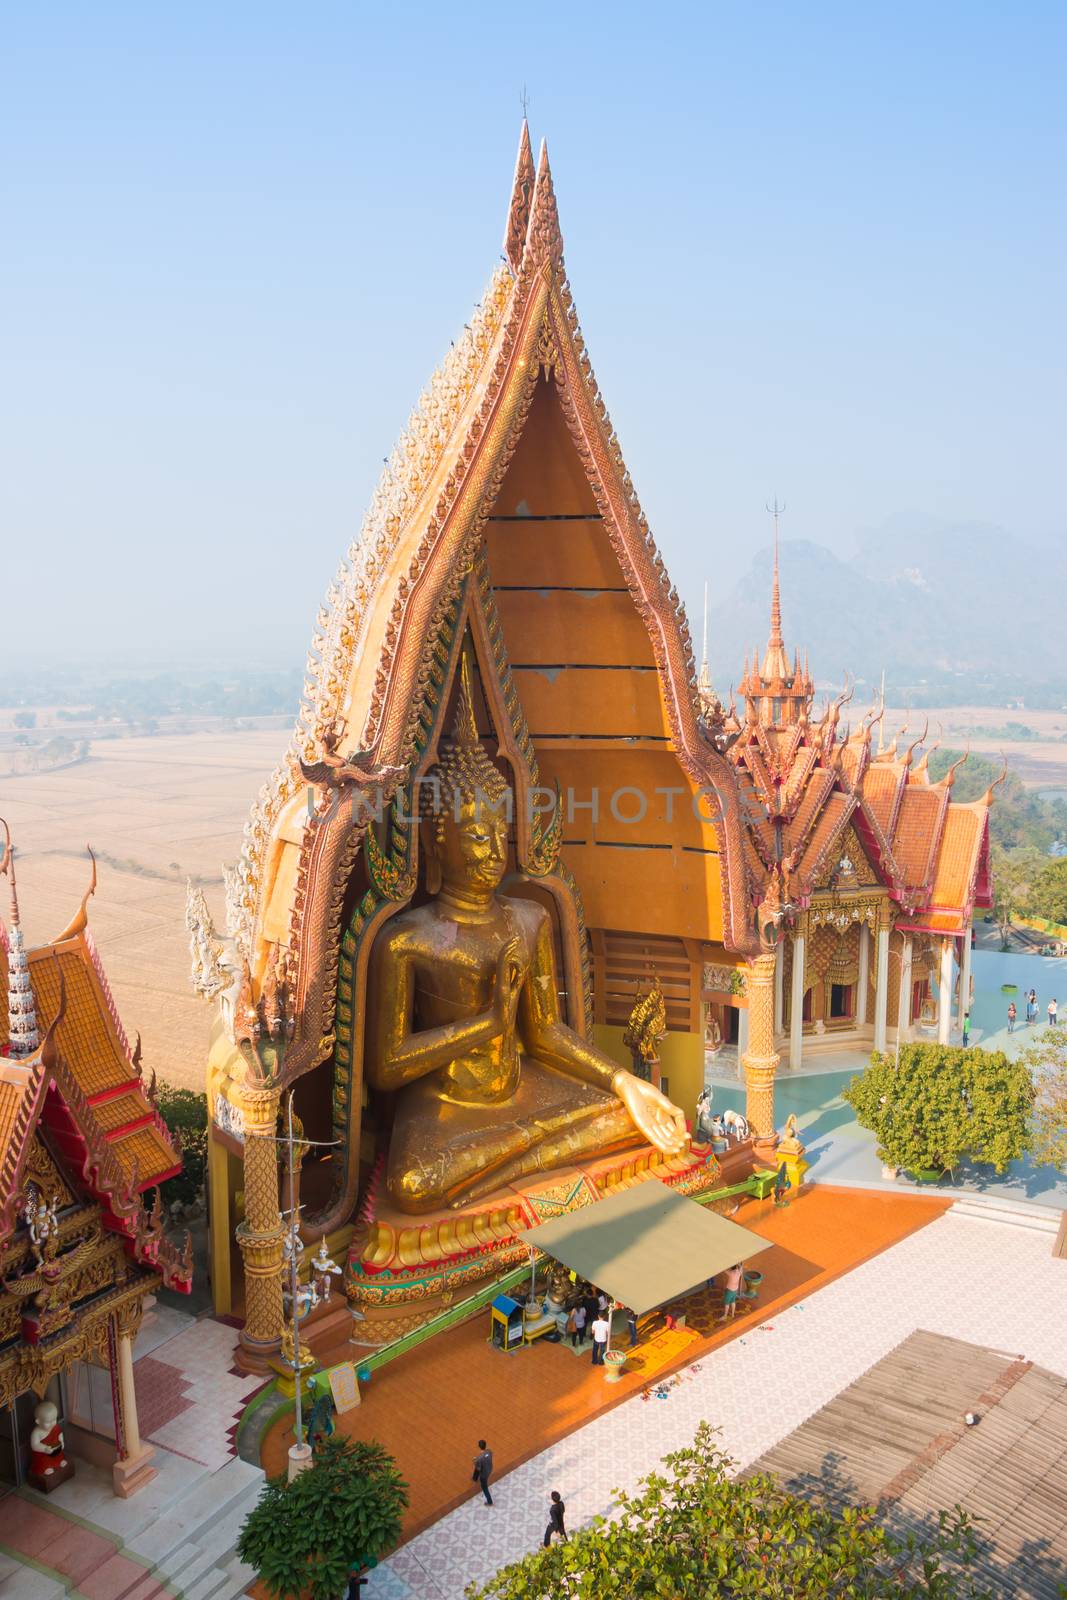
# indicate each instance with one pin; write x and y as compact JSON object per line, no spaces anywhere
{"x":883,"y":869}
{"x":82,"y":1241}
{"x":506,"y":531}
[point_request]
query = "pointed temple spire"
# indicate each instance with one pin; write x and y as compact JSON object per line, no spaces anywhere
{"x":778,"y":694}
{"x":24,"y":1037}
{"x":521,"y":197}
{"x":705,"y":675}
{"x":544,"y":240}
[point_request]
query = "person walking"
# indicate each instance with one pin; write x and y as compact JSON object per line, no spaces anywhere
{"x":1012,"y":1014}
{"x":576,"y":1323}
{"x":631,"y":1322}
{"x":556,"y":1508}
{"x":600,"y":1339}
{"x":1053,"y":1012}
{"x":730,"y":1292}
{"x":483,"y":1469}
{"x":967,"y":1027}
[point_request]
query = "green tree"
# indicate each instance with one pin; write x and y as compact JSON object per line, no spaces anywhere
{"x":341,"y":1513}
{"x":185,"y":1113}
{"x":697,"y":1532}
{"x":1046,"y":1061}
{"x":937,"y":1103}
{"x":1046,"y":891}
{"x":1014,"y":872}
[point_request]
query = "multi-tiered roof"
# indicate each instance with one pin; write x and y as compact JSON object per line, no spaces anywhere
{"x":809,"y":788}
{"x":67,"y":1073}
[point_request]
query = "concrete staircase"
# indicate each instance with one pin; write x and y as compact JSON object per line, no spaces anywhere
{"x":184,"y":1548}
{"x":1017,"y":1213}
{"x":191,"y":1551}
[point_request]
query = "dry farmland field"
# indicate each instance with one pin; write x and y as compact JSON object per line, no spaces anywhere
{"x":156,"y":811}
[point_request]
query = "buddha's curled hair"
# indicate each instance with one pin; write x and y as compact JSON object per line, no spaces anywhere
{"x":463,"y":774}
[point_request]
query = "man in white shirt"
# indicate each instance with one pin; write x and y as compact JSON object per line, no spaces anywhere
{"x":600,"y":1339}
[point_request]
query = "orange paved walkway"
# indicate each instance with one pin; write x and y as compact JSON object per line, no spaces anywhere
{"x":430,"y":1407}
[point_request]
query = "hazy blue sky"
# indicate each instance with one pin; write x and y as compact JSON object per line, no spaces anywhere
{"x":817,"y":249}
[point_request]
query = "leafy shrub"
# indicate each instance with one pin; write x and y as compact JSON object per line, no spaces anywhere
{"x":343,"y":1511}
{"x":937,"y":1103}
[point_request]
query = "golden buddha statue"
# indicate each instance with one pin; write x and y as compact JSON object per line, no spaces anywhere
{"x":464,"y":1027}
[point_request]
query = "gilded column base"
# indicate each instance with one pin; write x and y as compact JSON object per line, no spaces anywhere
{"x":759,"y":1100}
{"x":261,"y":1335}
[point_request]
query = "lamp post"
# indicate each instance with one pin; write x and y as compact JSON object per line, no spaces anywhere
{"x":299,"y":1450}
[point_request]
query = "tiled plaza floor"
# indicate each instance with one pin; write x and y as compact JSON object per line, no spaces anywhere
{"x":189,"y":1393}
{"x":988,"y":1282}
{"x":430,"y":1407}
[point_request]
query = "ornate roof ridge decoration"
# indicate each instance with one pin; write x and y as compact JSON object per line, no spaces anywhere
{"x":522,"y":190}
{"x":341,"y":621}
{"x":544,"y":240}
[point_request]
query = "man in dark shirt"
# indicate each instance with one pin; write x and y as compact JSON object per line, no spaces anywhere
{"x":556,"y":1508}
{"x":483,"y":1469}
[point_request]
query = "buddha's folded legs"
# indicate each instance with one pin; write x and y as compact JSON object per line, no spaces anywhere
{"x":445,"y":1154}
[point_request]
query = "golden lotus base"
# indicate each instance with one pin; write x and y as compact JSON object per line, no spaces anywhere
{"x":401,"y":1271}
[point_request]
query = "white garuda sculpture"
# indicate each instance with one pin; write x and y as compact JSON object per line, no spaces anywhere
{"x":216,"y":972}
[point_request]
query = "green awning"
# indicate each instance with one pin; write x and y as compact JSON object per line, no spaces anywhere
{"x":645,"y":1245}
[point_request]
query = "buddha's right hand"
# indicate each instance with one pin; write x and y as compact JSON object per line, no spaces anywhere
{"x":510,"y":976}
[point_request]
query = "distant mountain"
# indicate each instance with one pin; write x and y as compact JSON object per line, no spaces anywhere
{"x":951,"y":604}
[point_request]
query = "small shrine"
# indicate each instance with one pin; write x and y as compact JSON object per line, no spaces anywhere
{"x":82,"y":1240}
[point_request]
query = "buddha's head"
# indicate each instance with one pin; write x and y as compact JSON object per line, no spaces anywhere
{"x":464,"y":799}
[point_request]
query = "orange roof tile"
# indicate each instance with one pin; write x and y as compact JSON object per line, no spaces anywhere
{"x":120,"y":1110}
{"x":149,"y":1151}
{"x":957,"y":856}
{"x":89,"y":1040}
{"x":86,"y":1037}
{"x":835,"y":814}
{"x":881,"y":785}
{"x":918,"y":833}
{"x":818,"y":788}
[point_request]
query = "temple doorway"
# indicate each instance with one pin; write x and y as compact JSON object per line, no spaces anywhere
{"x":842,"y":1007}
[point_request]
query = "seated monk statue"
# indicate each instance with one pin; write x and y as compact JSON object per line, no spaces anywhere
{"x":463,"y":1014}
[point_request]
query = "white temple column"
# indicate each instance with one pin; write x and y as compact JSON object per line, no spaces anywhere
{"x":779,"y":987}
{"x":881,"y":986}
{"x":944,"y":999}
{"x":133,"y":1469}
{"x":904,"y":1003}
{"x":796,"y":1004}
{"x":965,"y":977}
{"x":864,"y":977}
{"x":742,"y":1038}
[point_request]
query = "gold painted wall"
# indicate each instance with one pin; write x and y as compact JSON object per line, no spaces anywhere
{"x":681,"y":1062}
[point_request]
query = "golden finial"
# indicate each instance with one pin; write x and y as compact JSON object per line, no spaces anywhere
{"x":987,"y":798}
{"x":80,"y":920}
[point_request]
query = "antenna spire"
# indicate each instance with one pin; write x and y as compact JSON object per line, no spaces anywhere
{"x":776,"y":601}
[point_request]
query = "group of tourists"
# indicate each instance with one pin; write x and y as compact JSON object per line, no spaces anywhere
{"x":588,"y":1315}
{"x":1031,"y":1011}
